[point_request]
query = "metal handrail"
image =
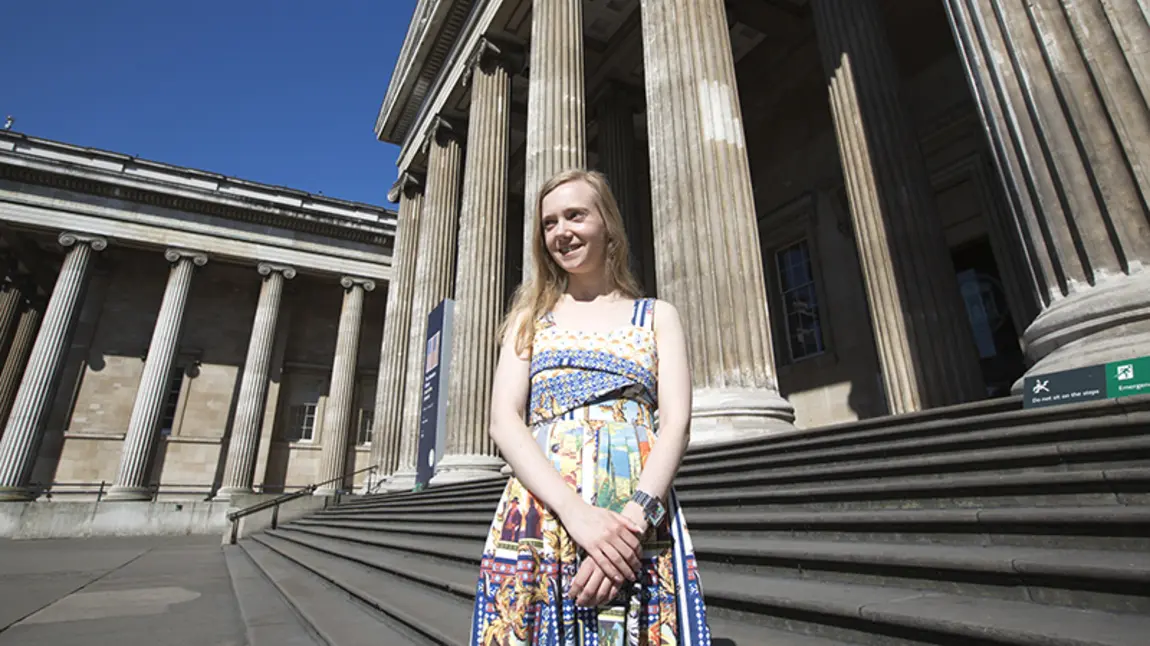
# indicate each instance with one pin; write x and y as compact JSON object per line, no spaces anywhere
{"x":100,"y":489}
{"x":274,"y":504}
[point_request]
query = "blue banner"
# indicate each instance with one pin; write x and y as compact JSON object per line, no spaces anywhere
{"x":433,"y":404}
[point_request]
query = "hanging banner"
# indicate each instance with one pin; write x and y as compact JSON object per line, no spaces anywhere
{"x":433,"y":404}
{"x":1103,"y":381}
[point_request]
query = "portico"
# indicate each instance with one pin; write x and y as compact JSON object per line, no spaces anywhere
{"x":860,"y":207}
{"x":175,"y":330}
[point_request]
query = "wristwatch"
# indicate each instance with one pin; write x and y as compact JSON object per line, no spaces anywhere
{"x":653,"y":508}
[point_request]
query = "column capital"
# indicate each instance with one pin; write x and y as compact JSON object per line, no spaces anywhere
{"x":347,"y":282}
{"x":443,"y":130}
{"x":69,"y":238}
{"x":409,"y":182}
{"x":494,"y":51}
{"x":175,"y":255}
{"x":267,"y":268}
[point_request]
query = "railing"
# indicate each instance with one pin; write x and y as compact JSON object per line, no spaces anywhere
{"x":274,"y":504}
{"x":100,"y":489}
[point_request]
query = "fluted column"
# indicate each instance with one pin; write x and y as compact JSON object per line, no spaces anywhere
{"x":556,"y":105}
{"x":389,"y":393}
{"x":434,"y":274}
{"x":922,"y":333}
{"x":24,"y":428}
{"x":615,"y":113}
{"x":245,"y":437}
{"x":11,"y":300}
{"x":707,"y":254}
{"x":136,"y":455}
{"x":341,"y":393}
{"x":1063,"y":89}
{"x":470,"y":454}
{"x":16,"y":361}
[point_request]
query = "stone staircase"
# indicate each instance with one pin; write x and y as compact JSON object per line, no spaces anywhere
{"x":981,"y":524}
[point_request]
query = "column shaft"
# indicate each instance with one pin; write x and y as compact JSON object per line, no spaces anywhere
{"x":470,"y":452}
{"x":434,"y":272}
{"x":1063,"y":90}
{"x":707,"y":253}
{"x":923,"y":336}
{"x":336,"y":427}
{"x":140,"y":441}
{"x":556,"y":105}
{"x":17,"y":360}
{"x":245,"y":437}
{"x":615,"y":114}
{"x":11,"y":301}
{"x":389,"y":394}
{"x":23,"y":432}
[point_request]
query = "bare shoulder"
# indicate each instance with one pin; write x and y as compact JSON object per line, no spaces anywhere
{"x":666,"y":313}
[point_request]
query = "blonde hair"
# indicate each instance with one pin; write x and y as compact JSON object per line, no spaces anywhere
{"x":541,"y":291}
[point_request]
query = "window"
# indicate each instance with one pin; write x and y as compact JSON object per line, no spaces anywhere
{"x":366,"y":424}
{"x":301,"y":424}
{"x":171,"y":401}
{"x":804,"y":330}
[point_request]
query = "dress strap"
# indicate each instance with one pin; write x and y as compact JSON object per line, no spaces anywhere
{"x":643,"y":315}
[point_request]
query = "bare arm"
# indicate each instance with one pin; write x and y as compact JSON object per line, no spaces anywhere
{"x":509,"y":431}
{"x":674,"y":381}
{"x":611,"y":539}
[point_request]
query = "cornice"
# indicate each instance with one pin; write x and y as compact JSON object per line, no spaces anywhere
{"x":263,"y":214}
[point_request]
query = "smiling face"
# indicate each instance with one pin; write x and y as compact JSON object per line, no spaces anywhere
{"x":574,"y":231}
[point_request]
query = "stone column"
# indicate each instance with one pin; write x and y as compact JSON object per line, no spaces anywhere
{"x":1063,"y":89}
{"x":389,"y":393}
{"x":707,"y":254}
{"x":556,"y":105}
{"x":11,"y":302}
{"x":245,"y":437}
{"x":140,"y":441}
{"x":470,"y":454}
{"x":16,"y":361}
{"x":615,"y":113}
{"x":922,"y":333}
{"x":434,"y":272}
{"x":341,"y":393}
{"x":24,"y":427}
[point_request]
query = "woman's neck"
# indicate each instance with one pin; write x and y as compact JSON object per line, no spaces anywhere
{"x":588,"y":287}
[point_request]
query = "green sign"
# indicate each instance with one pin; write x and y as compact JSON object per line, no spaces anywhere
{"x":1125,"y":378}
{"x":1102,"y":381}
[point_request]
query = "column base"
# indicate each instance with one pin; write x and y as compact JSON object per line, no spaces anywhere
{"x":466,"y":468}
{"x":731,"y":414}
{"x":225,"y":493}
{"x":1107,"y":322}
{"x":402,"y":480}
{"x":129,"y":494}
{"x":16,"y":494}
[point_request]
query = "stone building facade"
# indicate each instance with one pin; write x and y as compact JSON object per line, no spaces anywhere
{"x":861,"y":207}
{"x":166,"y":329}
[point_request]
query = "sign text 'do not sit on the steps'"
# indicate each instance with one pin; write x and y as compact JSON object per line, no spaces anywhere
{"x":1102,"y":381}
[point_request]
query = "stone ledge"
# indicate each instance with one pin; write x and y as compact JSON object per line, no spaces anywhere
{"x":57,"y":519}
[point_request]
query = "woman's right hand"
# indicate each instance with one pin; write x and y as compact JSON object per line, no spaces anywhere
{"x":609,"y":538}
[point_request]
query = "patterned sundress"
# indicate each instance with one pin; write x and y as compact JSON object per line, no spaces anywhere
{"x":592,"y":400}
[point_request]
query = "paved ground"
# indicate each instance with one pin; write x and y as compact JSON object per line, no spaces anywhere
{"x":123,"y":592}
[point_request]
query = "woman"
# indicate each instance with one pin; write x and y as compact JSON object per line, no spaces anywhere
{"x":603,"y":556}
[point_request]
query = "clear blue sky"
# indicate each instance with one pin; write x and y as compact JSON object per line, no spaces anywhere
{"x":284,"y":92}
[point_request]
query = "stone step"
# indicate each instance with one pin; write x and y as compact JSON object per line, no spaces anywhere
{"x":956,"y":436}
{"x":326,"y":608}
{"x":1079,"y":454}
{"x":1092,"y":580}
{"x":885,"y":615}
{"x":460,"y":578}
{"x":269,"y":618}
{"x":437,"y":617}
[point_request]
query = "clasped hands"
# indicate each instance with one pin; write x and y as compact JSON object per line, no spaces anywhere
{"x":614,"y":549}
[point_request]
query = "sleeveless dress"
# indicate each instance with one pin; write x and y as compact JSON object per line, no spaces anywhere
{"x":592,"y":400}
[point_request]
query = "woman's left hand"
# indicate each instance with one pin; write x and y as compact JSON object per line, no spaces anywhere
{"x":591,"y":587}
